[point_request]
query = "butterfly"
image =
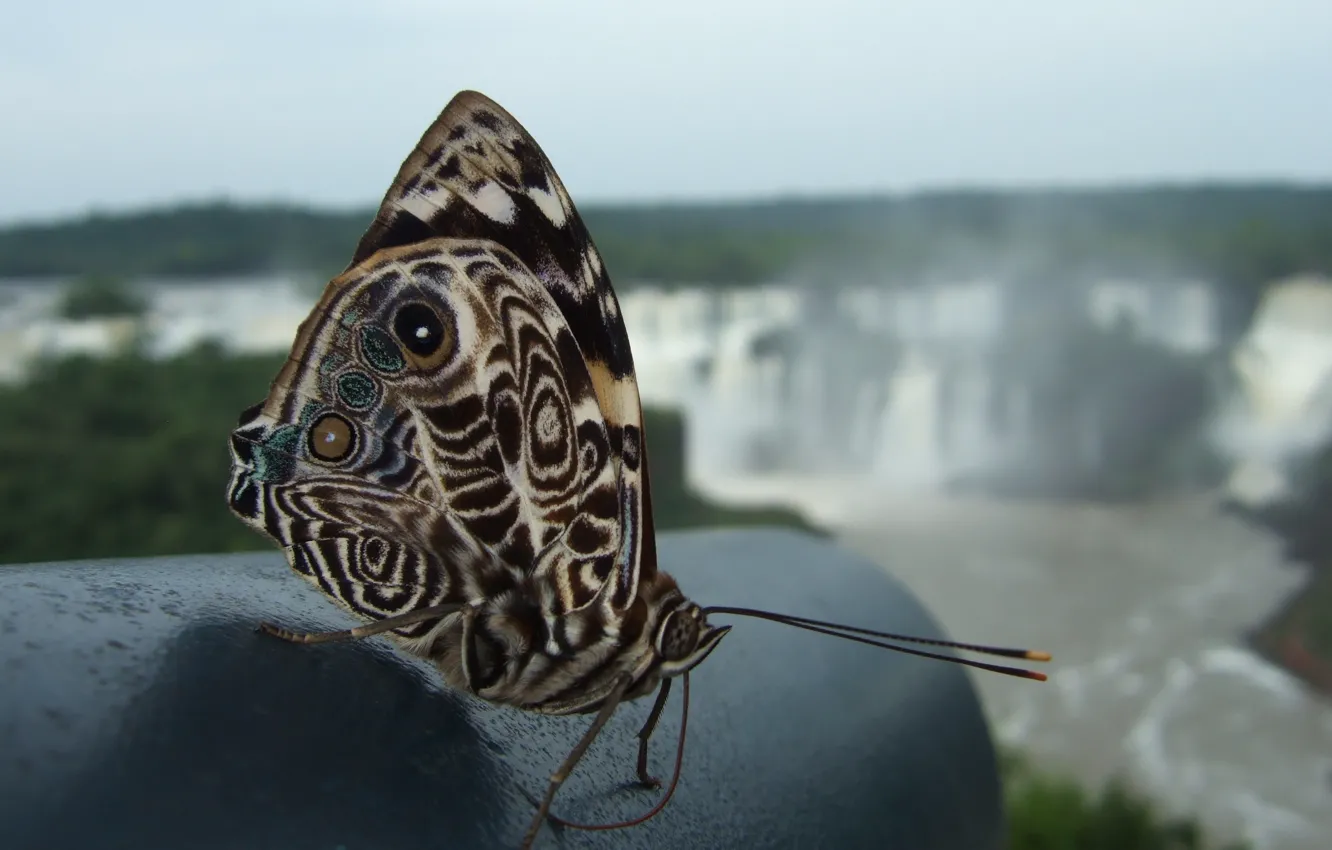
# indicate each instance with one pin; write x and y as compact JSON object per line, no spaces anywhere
{"x":454,"y":450}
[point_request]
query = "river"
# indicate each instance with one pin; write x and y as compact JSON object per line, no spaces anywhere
{"x":1145,"y":608}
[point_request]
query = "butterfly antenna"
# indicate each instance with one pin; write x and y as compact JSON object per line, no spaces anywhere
{"x":670,"y":790}
{"x":865,"y":636}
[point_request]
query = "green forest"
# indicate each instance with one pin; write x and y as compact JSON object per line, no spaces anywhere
{"x":1241,"y":236}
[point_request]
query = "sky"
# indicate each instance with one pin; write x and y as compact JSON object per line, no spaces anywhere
{"x":122,"y":105}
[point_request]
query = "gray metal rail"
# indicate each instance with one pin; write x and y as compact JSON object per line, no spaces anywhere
{"x":139,"y":709}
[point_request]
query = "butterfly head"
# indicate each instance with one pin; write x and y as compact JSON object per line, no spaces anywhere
{"x":683,"y":639}
{"x":676,"y":639}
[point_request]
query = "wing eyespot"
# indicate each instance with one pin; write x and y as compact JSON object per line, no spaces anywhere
{"x":380,"y":351}
{"x":357,"y":390}
{"x":420,"y":330}
{"x":332,"y":438}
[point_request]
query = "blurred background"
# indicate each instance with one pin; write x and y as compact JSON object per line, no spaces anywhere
{"x":1029,"y":303}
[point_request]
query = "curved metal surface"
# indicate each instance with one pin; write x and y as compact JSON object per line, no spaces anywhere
{"x":139,"y":709}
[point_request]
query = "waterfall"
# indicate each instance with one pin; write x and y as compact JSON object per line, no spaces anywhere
{"x":910,"y":388}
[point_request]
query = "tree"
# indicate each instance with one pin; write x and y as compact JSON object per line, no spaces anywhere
{"x":97,"y":296}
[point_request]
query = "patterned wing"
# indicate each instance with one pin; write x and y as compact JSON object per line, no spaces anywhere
{"x":458,"y":414}
{"x":476,"y":172}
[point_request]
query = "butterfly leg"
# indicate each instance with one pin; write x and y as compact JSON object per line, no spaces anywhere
{"x":559,"y":776}
{"x":645,"y":734}
{"x":434,"y":612}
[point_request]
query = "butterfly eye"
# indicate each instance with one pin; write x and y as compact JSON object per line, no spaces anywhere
{"x":678,"y":635}
{"x":420,"y":329}
{"x":332,"y":438}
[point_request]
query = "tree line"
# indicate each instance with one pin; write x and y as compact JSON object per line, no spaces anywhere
{"x":1239,"y":236}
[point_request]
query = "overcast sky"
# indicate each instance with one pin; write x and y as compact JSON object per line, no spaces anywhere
{"x":126,"y":103}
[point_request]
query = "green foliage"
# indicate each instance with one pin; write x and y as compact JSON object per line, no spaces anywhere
{"x":1302,"y":522}
{"x":674,"y":505}
{"x":1240,"y":236}
{"x":194,"y":240}
{"x":123,"y":456}
{"x":97,"y":296}
{"x":128,"y":456}
{"x":1048,"y":812}
{"x":1319,"y":616}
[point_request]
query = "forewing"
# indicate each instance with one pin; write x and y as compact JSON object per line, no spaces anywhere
{"x":477,"y":173}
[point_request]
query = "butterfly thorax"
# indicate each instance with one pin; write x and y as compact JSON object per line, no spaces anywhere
{"x":512,"y":649}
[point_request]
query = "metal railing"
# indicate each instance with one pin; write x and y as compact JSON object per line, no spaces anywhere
{"x":139,"y":709}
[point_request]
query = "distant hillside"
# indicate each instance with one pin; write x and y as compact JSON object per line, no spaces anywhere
{"x":1240,"y":235}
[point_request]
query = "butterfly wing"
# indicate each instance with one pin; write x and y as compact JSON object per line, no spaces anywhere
{"x":458,"y":414}
{"x":478,"y":173}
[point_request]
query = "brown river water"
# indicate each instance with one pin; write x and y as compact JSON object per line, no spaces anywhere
{"x":1145,"y":608}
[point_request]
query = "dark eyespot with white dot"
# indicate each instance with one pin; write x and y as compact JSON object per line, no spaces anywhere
{"x":419,"y":329}
{"x":332,"y":438}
